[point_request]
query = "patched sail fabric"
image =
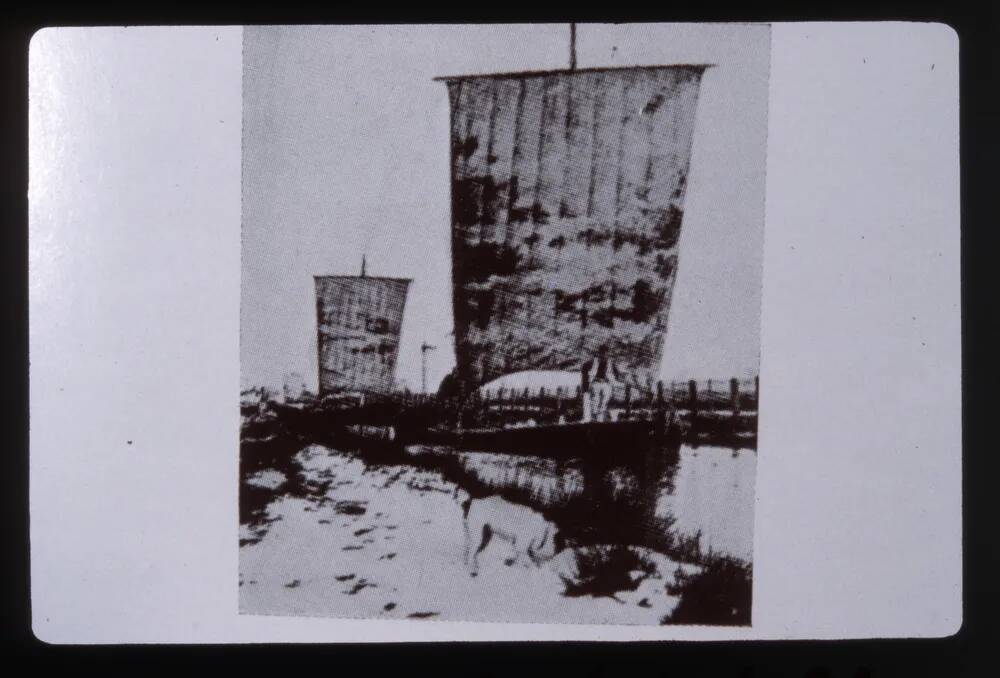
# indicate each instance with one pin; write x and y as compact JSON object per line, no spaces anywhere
{"x":567,"y":203}
{"x":359,"y":319}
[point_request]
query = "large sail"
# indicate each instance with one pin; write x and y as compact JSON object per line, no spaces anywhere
{"x":567,"y":201}
{"x":359,"y":320}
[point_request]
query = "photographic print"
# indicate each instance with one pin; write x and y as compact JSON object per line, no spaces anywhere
{"x":509,"y":332}
{"x":500,"y":321}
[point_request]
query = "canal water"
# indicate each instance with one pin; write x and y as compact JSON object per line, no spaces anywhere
{"x":698,"y":501}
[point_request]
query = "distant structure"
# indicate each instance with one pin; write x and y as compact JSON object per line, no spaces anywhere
{"x":359,"y":319}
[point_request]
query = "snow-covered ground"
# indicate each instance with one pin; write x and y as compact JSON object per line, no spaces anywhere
{"x":388,"y":541}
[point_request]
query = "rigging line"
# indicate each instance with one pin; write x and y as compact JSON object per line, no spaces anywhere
{"x":572,"y":47}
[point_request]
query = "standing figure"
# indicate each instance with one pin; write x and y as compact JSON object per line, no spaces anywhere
{"x":598,"y":379}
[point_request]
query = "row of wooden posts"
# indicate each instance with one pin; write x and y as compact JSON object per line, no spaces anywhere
{"x":684,"y":395}
{"x":687,"y":395}
{"x":691,"y":396}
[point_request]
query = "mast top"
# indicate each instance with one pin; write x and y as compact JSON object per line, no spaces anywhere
{"x":361,"y":277}
{"x":694,"y":68}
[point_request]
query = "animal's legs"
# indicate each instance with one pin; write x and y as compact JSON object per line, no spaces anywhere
{"x":487,"y":533}
{"x":514,"y":558}
{"x":467,"y":544}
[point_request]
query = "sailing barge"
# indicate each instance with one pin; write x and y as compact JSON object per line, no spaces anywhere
{"x":358,"y":324}
{"x":567,"y":203}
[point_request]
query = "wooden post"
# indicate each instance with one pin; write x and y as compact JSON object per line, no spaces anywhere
{"x":693,"y":403}
{"x":628,"y":401}
{"x":541,"y":403}
{"x":734,"y":400}
{"x":658,"y":414}
{"x":559,"y":393}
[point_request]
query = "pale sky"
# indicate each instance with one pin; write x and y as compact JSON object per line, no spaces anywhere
{"x":345,"y":152}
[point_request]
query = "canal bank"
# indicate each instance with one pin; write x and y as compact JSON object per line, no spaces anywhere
{"x":325,"y":533}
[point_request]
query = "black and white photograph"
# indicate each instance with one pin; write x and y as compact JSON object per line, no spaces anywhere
{"x":500,"y":322}
{"x":462,"y":333}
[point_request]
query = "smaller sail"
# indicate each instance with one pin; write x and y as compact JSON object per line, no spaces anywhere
{"x":359,"y":319}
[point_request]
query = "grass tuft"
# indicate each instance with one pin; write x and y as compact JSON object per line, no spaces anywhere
{"x":604,"y":570}
{"x":720,"y":594}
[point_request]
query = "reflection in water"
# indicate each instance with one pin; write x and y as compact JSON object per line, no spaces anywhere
{"x":546,"y":482}
{"x":699,"y":499}
{"x":713,"y":494}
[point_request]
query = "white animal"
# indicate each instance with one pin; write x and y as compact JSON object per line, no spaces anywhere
{"x":529,"y":533}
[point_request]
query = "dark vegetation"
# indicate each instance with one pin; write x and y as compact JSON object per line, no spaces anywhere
{"x":720,"y":594}
{"x":605,"y":570}
{"x":275,"y":450}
